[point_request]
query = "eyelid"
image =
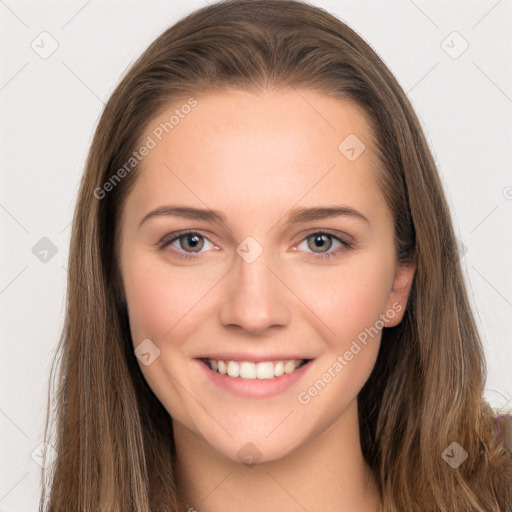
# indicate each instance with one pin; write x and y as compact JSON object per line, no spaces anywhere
{"x":342,"y":237}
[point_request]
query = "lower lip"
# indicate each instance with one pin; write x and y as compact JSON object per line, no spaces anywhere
{"x":254,"y":388}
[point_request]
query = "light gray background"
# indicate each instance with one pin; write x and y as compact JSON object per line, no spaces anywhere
{"x":50,"y":107}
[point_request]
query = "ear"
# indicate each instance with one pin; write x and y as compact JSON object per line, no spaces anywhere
{"x":396,"y":301}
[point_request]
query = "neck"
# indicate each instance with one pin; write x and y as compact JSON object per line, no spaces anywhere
{"x":326,"y":470}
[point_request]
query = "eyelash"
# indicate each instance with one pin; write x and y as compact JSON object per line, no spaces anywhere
{"x":165,"y":241}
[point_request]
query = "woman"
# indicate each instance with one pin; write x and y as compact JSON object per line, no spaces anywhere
{"x":215,"y":356}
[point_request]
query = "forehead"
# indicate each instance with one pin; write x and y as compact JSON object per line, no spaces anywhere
{"x":242,"y":152}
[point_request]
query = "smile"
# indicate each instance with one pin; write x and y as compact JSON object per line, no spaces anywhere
{"x":252,"y":370}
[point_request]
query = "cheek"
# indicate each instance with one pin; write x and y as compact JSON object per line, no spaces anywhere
{"x":146,"y":306}
{"x":160,"y":309}
{"x":348,"y":302}
{"x":163,"y":301}
{"x":349,"y":299}
{"x":149,"y":296}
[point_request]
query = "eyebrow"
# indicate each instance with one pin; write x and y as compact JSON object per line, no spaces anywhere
{"x":294,"y":217}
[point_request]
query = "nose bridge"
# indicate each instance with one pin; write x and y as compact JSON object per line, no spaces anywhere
{"x":256,"y":298}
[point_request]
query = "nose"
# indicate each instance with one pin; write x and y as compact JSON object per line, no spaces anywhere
{"x":256,"y":297}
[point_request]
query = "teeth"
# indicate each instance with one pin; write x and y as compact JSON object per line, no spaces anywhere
{"x":265,"y":371}
{"x":289,"y":367}
{"x":279,"y":369}
{"x":233,"y":369}
{"x":250,"y":370}
{"x":247,"y":370}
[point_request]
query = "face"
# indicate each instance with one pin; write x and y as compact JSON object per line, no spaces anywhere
{"x":289,"y":282}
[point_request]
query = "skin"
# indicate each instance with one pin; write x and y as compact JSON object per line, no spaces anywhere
{"x":254,"y":157}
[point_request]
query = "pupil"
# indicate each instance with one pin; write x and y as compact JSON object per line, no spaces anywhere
{"x":319,"y":240}
{"x":194,"y":243}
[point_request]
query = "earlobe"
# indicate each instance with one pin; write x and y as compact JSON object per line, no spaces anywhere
{"x":396,"y":302}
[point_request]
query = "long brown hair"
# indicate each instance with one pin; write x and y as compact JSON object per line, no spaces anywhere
{"x":114,"y":439}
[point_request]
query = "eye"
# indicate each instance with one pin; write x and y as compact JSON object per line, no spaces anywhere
{"x":190,"y":242}
{"x":187,"y":244}
{"x":324,"y":241}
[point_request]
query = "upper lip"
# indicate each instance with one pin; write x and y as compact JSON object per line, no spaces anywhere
{"x":229,"y":356}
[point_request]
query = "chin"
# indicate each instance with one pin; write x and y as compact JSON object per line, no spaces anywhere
{"x":249,"y":447}
{"x":256,"y":452}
